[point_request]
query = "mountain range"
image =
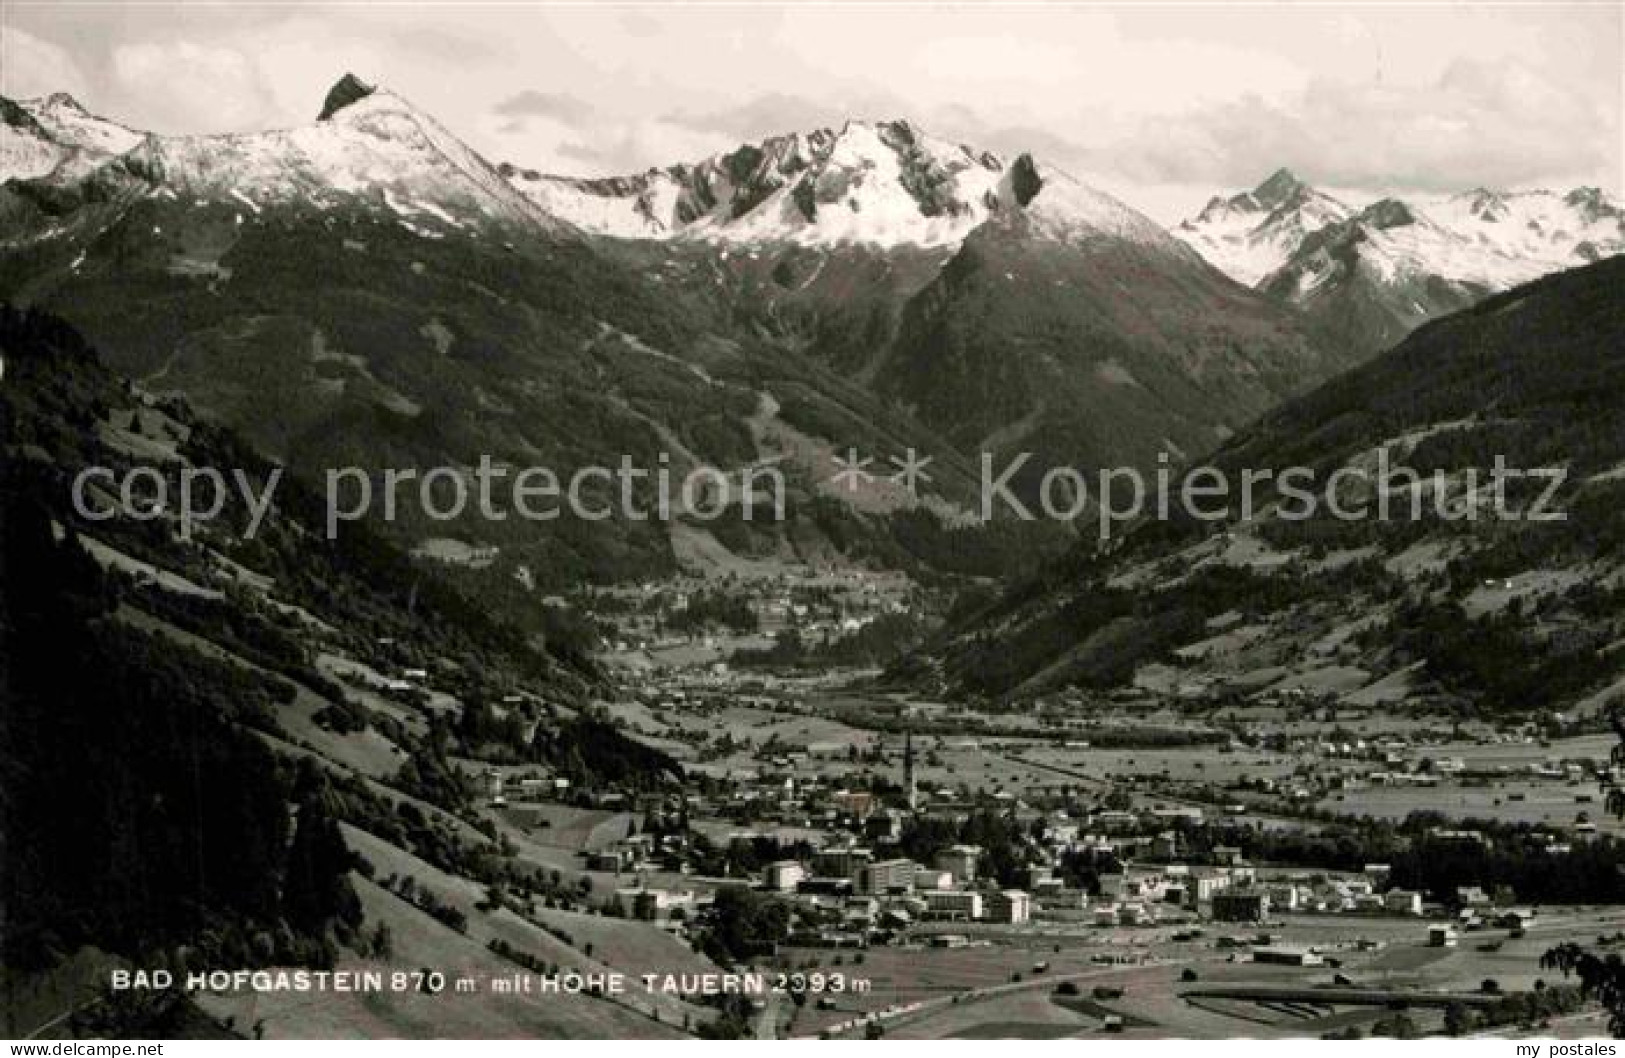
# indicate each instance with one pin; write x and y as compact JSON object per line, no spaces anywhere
{"x":884,"y":184}
{"x":418,"y":742}
{"x":1362,"y":275}
{"x":1365,"y":276}
{"x":368,"y":290}
{"x":1442,"y":605}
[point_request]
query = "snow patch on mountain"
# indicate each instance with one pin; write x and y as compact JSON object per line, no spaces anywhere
{"x":377,"y":149}
{"x":71,"y":124}
{"x":369,"y":149}
{"x":1515,"y":237}
{"x":884,"y":184}
{"x":40,"y":135}
{"x":1477,"y":239}
{"x":641,"y":208}
{"x":1069,"y":210}
{"x":26,"y":150}
{"x":1251,"y":234}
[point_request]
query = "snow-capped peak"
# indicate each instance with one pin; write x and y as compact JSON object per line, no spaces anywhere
{"x":1056,"y":205}
{"x":1399,"y":262}
{"x":1481,"y":238}
{"x":43,"y":134}
{"x":1279,"y":188}
{"x":1252,"y":233}
{"x":881,"y":182}
{"x":58,"y":102}
{"x":1490,"y":238}
{"x":70,"y":124}
{"x":885,"y":183}
{"x":369,"y":148}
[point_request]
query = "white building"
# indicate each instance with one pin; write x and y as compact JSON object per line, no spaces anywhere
{"x":1402,"y":902}
{"x":652,"y":904}
{"x":783,"y":876}
{"x":1010,"y":906}
{"x":952,"y":904}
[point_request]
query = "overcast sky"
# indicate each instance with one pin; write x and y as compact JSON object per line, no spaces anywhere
{"x":1163,"y":105}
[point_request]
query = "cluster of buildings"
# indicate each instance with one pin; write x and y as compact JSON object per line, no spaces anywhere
{"x":664,"y":906}
{"x":813,"y":605}
{"x":1235,"y":892}
{"x":886,"y":894}
{"x":876,"y":892}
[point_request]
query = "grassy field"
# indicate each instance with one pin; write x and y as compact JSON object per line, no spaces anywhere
{"x":1509,"y":801}
{"x":970,"y":994}
{"x":1194,"y":764}
{"x":903,"y":976}
{"x":617,"y":945}
{"x":109,"y":557}
{"x":420,"y":941}
{"x":576,"y":829}
{"x":361,"y":684}
{"x":367,"y":753}
{"x":632,"y":947}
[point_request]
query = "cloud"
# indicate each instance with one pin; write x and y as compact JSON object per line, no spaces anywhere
{"x":445,"y":45}
{"x":569,"y":142}
{"x":31,"y":66}
{"x":640,"y":24}
{"x":1476,"y":123}
{"x":612,"y":158}
{"x":1130,"y":97}
{"x":776,"y":113}
{"x":556,"y":106}
{"x":187,"y":86}
{"x":617,"y":148}
{"x":1496,"y":125}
